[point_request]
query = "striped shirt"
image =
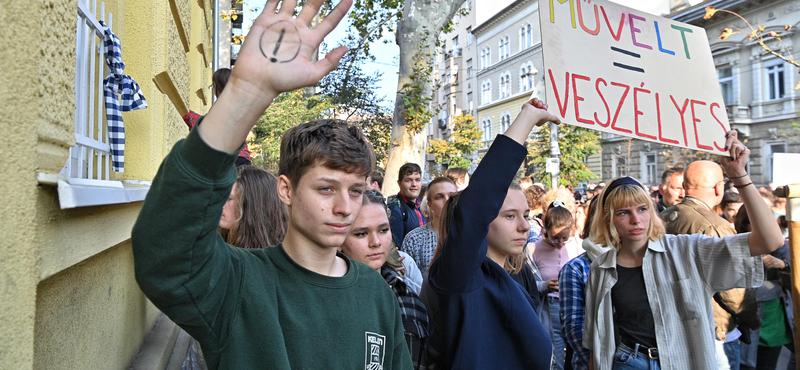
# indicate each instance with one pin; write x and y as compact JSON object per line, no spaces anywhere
{"x":681,"y":273}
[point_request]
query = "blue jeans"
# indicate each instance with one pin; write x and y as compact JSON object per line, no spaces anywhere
{"x":628,"y":359}
{"x":734,"y":353}
{"x":557,"y":362}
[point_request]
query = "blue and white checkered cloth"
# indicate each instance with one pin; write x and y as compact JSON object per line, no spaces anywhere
{"x":117,"y":83}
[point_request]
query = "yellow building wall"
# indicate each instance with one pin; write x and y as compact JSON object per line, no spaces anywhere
{"x":495,"y":111}
{"x":68,"y":297}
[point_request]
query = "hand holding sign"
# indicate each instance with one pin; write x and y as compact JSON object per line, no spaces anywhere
{"x":617,"y":70}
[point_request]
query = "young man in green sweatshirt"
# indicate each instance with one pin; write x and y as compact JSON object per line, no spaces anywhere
{"x":297,"y":305}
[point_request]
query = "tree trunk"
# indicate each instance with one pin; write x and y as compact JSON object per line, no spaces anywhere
{"x":417,"y":32}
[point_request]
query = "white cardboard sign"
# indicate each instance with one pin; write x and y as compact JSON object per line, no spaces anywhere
{"x":626,"y":72}
{"x":784,"y":169}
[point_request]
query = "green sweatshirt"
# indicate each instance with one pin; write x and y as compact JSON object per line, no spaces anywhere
{"x":253,"y":309}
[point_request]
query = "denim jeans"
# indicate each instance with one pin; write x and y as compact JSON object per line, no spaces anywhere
{"x":627,"y":358}
{"x":557,"y":362}
{"x":734,"y":353}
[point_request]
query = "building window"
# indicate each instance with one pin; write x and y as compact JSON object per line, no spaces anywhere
{"x":455,"y":44}
{"x":469,"y":4}
{"x":486,"y":92}
{"x":769,"y":150}
{"x":619,"y":165}
{"x":470,"y":104}
{"x":486,"y":57}
{"x":725,"y":77}
{"x":447,"y":79}
{"x":505,"y":122}
{"x":453,"y":104}
{"x":649,"y":167}
{"x":469,"y":68}
{"x":486,"y":125}
{"x":530,"y":36}
{"x":505,"y":85}
{"x":522,"y":43}
{"x":775,"y":81}
{"x":503,"y":48}
{"x":469,"y":36}
{"x":526,"y":77}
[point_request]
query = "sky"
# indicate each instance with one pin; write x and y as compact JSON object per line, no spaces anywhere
{"x":386,"y":53}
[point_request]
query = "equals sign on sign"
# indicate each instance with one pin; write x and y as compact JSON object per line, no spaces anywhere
{"x":625,"y":66}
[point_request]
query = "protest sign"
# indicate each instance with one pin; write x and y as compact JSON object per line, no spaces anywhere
{"x":626,"y":72}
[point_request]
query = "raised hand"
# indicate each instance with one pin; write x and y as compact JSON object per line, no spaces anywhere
{"x":275,"y":58}
{"x":739,"y":155}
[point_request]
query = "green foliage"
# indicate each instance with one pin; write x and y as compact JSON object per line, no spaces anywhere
{"x":417,"y":93}
{"x":575,"y":144}
{"x":288,"y":110}
{"x":464,"y":143}
{"x":378,"y":130}
{"x":352,"y":93}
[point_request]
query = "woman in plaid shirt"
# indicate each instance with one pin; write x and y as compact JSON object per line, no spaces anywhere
{"x":648,"y":300}
{"x":370,"y":242}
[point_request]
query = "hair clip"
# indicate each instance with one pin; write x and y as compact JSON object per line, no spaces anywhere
{"x":557,"y":203}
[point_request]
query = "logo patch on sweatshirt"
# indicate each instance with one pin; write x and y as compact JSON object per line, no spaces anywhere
{"x":375,"y":351}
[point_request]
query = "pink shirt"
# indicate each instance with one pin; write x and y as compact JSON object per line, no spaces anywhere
{"x":550,"y":260}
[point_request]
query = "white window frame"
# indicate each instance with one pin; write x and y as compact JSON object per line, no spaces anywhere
{"x":505,"y":122}
{"x":615,"y":170}
{"x":486,"y":126}
{"x":778,"y":68}
{"x":85,"y":180}
{"x":727,"y":81}
{"x":649,"y":169}
{"x":469,"y":36}
{"x":769,"y":157}
{"x":522,"y":43}
{"x":530,"y":36}
{"x":469,"y":68}
{"x":470,"y":102}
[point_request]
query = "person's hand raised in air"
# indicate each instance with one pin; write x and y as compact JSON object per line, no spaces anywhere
{"x":275,"y":58}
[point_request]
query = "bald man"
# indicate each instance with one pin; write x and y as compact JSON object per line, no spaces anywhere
{"x":704,"y":184}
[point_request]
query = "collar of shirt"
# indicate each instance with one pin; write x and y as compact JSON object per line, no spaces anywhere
{"x":608,"y":260}
{"x":691,"y":199}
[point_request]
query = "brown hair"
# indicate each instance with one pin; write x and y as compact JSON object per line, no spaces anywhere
{"x":393,"y":258}
{"x":330,"y":143}
{"x":534,"y":195}
{"x":377,"y":176}
{"x":742,"y":221}
{"x":590,"y":211}
{"x":436,"y":181}
{"x":456,"y":174}
{"x":603,"y":230}
{"x":408,"y":169}
{"x":513,"y":265}
{"x":220,"y":79}
{"x":558,"y":216}
{"x":261,"y":217}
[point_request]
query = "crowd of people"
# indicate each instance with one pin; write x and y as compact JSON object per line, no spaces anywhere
{"x":483,"y":271}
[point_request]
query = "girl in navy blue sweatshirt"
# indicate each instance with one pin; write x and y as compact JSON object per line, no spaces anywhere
{"x":483,"y":319}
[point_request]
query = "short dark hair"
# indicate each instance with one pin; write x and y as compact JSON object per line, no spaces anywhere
{"x":328,"y":142}
{"x":220,"y":79}
{"x":436,"y":181}
{"x":669,"y":173}
{"x":377,"y":176}
{"x":456,"y":174}
{"x":408,"y":169}
{"x":730,"y":197}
